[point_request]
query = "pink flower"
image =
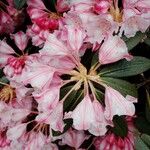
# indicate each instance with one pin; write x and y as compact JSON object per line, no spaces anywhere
{"x":13,"y":65}
{"x":43,"y":19}
{"x":116,"y":104}
{"x":83,"y":115}
{"x":112,"y":50}
{"x":111,"y":142}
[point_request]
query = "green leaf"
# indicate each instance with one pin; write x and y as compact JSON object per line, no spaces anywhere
{"x":73,"y":98}
{"x":126,"y":68}
{"x":140,"y":145}
{"x":99,"y":95}
{"x":124,"y":87}
{"x":120,"y":126}
{"x":142,"y":125}
{"x":147,"y":109}
{"x":3,"y":80}
{"x":146,"y":139}
{"x":147,"y":41}
{"x":133,"y":41}
{"x":94,"y":59}
{"x":19,"y":3}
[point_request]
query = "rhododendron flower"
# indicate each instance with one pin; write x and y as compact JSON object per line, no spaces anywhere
{"x":58,"y":88}
{"x":13,"y":65}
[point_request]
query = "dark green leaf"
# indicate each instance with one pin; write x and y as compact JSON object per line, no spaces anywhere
{"x":99,"y":95}
{"x":146,"y":139}
{"x":94,"y":59}
{"x":142,"y":125}
{"x":3,"y":80}
{"x":19,"y":3}
{"x":69,"y":100}
{"x":147,"y":110}
{"x":147,"y":41}
{"x":124,"y":87}
{"x":73,"y":98}
{"x":140,"y":145}
{"x":126,"y":68}
{"x":120,"y":126}
{"x":133,"y":41}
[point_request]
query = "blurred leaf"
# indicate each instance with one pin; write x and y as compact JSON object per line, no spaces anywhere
{"x":140,"y":145}
{"x":124,"y":87}
{"x":3,"y":80}
{"x":19,"y":3}
{"x":73,"y":98}
{"x":99,"y":95}
{"x":120,"y":126}
{"x":126,"y":68}
{"x":142,"y":125}
{"x":133,"y":41}
{"x":147,"y":41}
{"x":69,"y":100}
{"x":146,"y":139}
{"x":147,"y":110}
{"x":1,"y":73}
{"x":94,"y":59}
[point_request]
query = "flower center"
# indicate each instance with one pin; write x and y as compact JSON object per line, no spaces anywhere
{"x":116,"y":12}
{"x":7,"y":93}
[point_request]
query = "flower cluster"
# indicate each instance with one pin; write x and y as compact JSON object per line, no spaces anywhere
{"x":60,"y":90}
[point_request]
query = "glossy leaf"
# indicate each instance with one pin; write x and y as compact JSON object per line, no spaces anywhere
{"x":120,"y":126}
{"x":126,"y":68}
{"x":142,"y":125}
{"x":133,"y":41}
{"x":146,"y":139}
{"x":124,"y":87}
{"x":140,"y":145}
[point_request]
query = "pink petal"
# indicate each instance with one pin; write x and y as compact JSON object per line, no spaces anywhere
{"x":99,"y":127}
{"x":20,"y":39}
{"x":56,"y":118}
{"x":54,"y":47}
{"x":83,"y":115}
{"x":38,"y":75}
{"x":116,"y":104}
{"x":5,"y":48}
{"x":16,"y":131}
{"x":112,"y":50}
{"x":75,"y":38}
